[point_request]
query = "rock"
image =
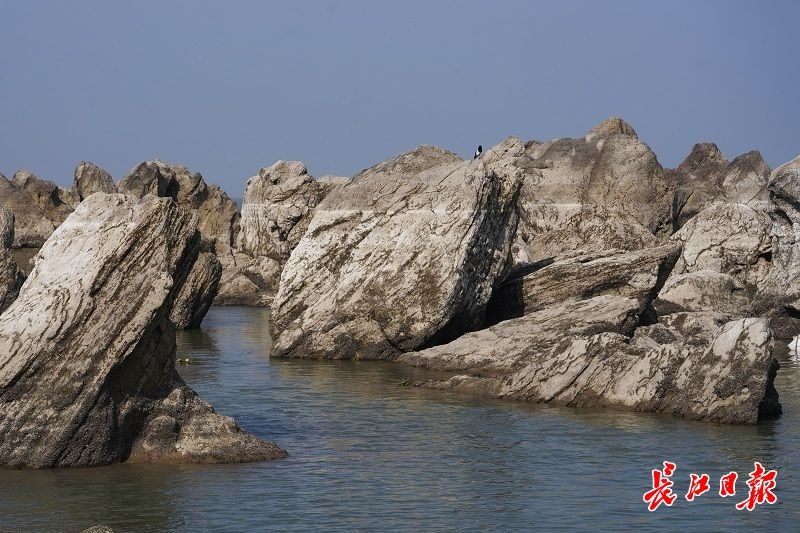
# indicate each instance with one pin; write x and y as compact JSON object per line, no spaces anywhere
{"x":604,"y":191}
{"x":247,"y":280}
{"x":31,"y":226}
{"x":334,"y":180}
{"x":733,"y":239}
{"x":578,"y":353}
{"x":87,"y":351}
{"x":89,"y":179}
{"x":46,"y":195}
{"x":705,"y":291}
{"x":11,"y":279}
{"x":706,"y":177}
{"x":277,"y":208}
{"x":98,"y":529}
{"x":6,"y":228}
{"x":638,"y":275}
{"x":198,"y":291}
{"x":404,"y":255}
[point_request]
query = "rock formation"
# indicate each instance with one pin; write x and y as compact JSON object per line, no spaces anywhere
{"x":638,"y":275}
{"x":705,"y":290}
{"x":602,"y":192}
{"x":31,"y":226}
{"x":706,"y":177}
{"x":89,"y":179}
{"x":404,"y":255}
{"x":11,"y":278}
{"x":198,"y":291}
{"x":46,"y":195}
{"x":580,"y":353}
{"x":87,"y":365}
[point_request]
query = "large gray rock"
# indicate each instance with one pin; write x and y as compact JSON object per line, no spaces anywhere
{"x":579,"y":353}
{"x":87,"y":351}
{"x":601,"y":192}
{"x":11,"y":279}
{"x":89,"y":179}
{"x":247,"y":280}
{"x":198,"y":291}
{"x":404,"y":255}
{"x":6,"y":228}
{"x":278,"y":205}
{"x":706,"y":177}
{"x":705,"y":291}
{"x":638,"y":275}
{"x":31,"y":225}
{"x":45,"y":194}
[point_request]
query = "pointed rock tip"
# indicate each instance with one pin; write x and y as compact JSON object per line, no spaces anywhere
{"x":612,"y":126}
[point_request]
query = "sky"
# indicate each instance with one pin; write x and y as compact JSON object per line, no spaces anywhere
{"x":228,"y":87}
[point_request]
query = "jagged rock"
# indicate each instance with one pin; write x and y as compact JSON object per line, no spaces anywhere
{"x":247,"y":280}
{"x":11,"y":279}
{"x":87,"y":351}
{"x":579,"y":353}
{"x":706,"y":177}
{"x":198,"y":291}
{"x":89,"y":179}
{"x":638,"y":275}
{"x":705,"y":291}
{"x":46,"y":195}
{"x":6,"y":228}
{"x":277,"y":208}
{"x":732,"y":239}
{"x":31,"y":226}
{"x":404,"y":255}
{"x":604,"y":191}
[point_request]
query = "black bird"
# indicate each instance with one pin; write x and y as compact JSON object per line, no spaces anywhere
{"x":478,"y":152}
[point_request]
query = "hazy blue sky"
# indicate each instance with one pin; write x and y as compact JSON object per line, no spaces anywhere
{"x":228,"y":87}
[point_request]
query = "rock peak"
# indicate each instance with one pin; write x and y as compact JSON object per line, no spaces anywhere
{"x":702,"y":159}
{"x":611,"y":126}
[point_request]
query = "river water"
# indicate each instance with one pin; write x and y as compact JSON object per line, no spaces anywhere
{"x":368,"y":454}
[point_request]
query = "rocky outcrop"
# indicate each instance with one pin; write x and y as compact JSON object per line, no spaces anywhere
{"x":638,"y":275}
{"x":89,"y":179}
{"x":404,"y":255}
{"x":11,"y":277}
{"x":46,"y":195}
{"x":706,"y":177}
{"x":87,"y":351}
{"x":198,"y":291}
{"x":246,"y":280}
{"x":706,"y":291}
{"x":580,"y":353}
{"x":31,"y":226}
{"x":277,"y":208}
{"x":6,"y":228}
{"x":601,"y":192}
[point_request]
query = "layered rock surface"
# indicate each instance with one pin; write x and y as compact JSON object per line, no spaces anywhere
{"x":31,"y":225}
{"x":89,"y":179}
{"x":601,"y":192}
{"x":580,"y":353}
{"x":87,"y":365}
{"x":404,"y":255}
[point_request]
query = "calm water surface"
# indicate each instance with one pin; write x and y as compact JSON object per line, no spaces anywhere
{"x":368,"y":454}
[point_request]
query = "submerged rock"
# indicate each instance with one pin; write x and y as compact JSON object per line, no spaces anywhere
{"x":89,"y":179}
{"x":87,"y":351}
{"x":580,"y":353}
{"x":406,"y":254}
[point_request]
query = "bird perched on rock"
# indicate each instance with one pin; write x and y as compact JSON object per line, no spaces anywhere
{"x":478,"y":152}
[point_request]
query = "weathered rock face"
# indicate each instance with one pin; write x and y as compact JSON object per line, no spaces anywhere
{"x":218,"y":216}
{"x":6,"y":228}
{"x":31,"y":226}
{"x":638,"y":275}
{"x":247,"y":280}
{"x":706,"y":177}
{"x":693,"y":365}
{"x":89,"y":179}
{"x":732,"y":239}
{"x":277,"y":208}
{"x":11,"y":279}
{"x":87,"y":351}
{"x":601,"y":192}
{"x":45,"y":194}
{"x":405,"y":254}
{"x":705,"y":291}
{"x":198,"y":291}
